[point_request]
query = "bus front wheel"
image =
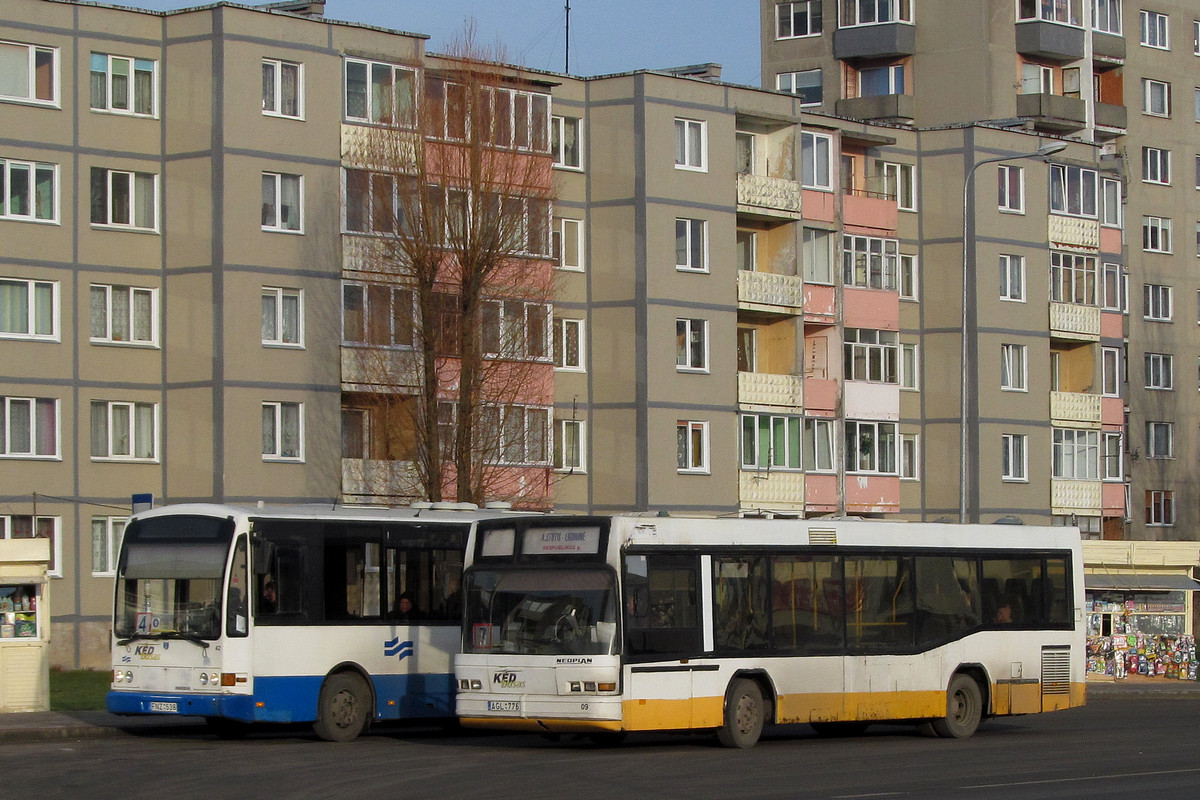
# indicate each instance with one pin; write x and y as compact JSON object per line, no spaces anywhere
{"x":743,"y":715}
{"x":343,"y":709}
{"x":964,"y":709}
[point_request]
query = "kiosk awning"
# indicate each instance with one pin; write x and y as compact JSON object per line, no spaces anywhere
{"x":1141,"y":580}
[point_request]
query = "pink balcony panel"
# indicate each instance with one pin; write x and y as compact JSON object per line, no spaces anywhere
{"x":820,"y":303}
{"x":820,"y":493}
{"x":818,"y":205}
{"x":1112,"y":324}
{"x":1113,"y":498}
{"x":871,"y":308}
{"x":1110,"y":240}
{"x":820,"y":396}
{"x":1112,"y":412}
{"x":872,"y":494}
{"x":875,"y":214}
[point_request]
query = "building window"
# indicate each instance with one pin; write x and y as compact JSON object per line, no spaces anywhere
{"x":1156,"y":98}
{"x":909,"y":278}
{"x":746,"y":247}
{"x":28,"y":309}
{"x":1156,"y":235}
{"x":817,"y":255}
{"x":691,"y":446}
{"x":372,"y":203}
{"x":1159,"y":372}
{"x":814,"y":161}
{"x":123,"y":314}
{"x":691,"y":145}
{"x":1160,"y":507}
{"x":282,"y":431}
{"x":281,"y":202}
{"x":282,"y":317}
{"x":1013,"y":368}
{"x":771,"y":441}
{"x":1106,"y":16}
{"x":691,"y":345}
{"x":1012,"y":278}
{"x":1113,"y":456}
{"x":27,"y":526}
{"x":123,"y":85}
{"x":1036,"y":78}
{"x":124,"y":199}
{"x":569,"y":445}
{"x":900,"y":185}
{"x":818,"y":445}
{"x":874,"y":12}
{"x":871,"y":355}
{"x":1014,"y":459}
{"x":691,"y":245}
{"x":1116,"y":298}
{"x":376,"y":314}
{"x":869,"y":262}
{"x":516,"y":329}
{"x":124,"y":431}
{"x":568,"y":344}
{"x":1110,"y":193}
{"x":1156,"y":302}
{"x":28,"y":191}
{"x":1159,"y":440}
{"x":793,"y":20}
{"x":871,"y":447}
{"x":564,"y":142}
{"x":807,"y":85}
{"x":909,"y":367}
{"x":30,"y":427}
{"x":29,"y":73}
{"x":1155,"y":29}
{"x":910,"y":456}
{"x":522,"y":433}
{"x":1011,"y":185}
{"x":380,"y":93}
{"x":1072,"y":278}
{"x":282,"y":88}
{"x":1075,"y":454}
{"x":1110,"y":372}
{"x":1072,"y":191}
{"x":1156,"y":165}
{"x":106,"y":544}
{"x":566,"y":244}
{"x":879,"y":81}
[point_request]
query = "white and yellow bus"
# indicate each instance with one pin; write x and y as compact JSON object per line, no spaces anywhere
{"x":608,"y":625}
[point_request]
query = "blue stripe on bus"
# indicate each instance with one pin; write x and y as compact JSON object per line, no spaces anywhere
{"x":294,"y":699}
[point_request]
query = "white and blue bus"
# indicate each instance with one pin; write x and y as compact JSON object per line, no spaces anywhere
{"x":242,"y":614}
{"x":607,"y":625}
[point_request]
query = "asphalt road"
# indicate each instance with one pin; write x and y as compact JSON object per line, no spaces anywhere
{"x":1115,"y":747}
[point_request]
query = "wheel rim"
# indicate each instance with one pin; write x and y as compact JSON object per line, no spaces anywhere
{"x":746,"y":714}
{"x":962,"y":709}
{"x":343,"y":709}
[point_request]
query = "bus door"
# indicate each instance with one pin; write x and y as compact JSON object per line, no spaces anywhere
{"x":808,"y":625}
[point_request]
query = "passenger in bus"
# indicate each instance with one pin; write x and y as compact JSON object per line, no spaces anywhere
{"x":1003,"y":614}
{"x":268,"y":597}
{"x":406,"y":609}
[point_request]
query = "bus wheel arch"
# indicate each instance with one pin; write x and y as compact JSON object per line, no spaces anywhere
{"x":966,"y":702}
{"x":345,"y":704}
{"x":748,"y":705}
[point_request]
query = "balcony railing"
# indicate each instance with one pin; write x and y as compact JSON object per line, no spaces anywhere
{"x":1075,"y":407}
{"x":1053,"y":112}
{"x":373,"y":478}
{"x":1071,"y":321}
{"x":773,"y":490}
{"x":1064,"y":231}
{"x":775,"y":197}
{"x":770,"y":291}
{"x":1075,"y":497}
{"x":766,"y":389}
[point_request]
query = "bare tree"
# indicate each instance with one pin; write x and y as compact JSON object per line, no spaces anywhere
{"x":457,"y":190}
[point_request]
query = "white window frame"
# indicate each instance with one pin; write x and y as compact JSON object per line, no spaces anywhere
{"x":1156,"y":98}
{"x":1160,"y":508}
{"x":274,"y":317}
{"x":687,"y":357}
{"x":893,"y":79}
{"x":34,"y":54}
{"x":367,"y":294}
{"x":273,"y":448}
{"x":522,"y":434}
{"x":910,"y":278}
{"x":1112,"y":456}
{"x":1196,"y":37}
{"x":1115,"y":294}
{"x":1106,"y":16}
{"x":1014,"y":368}
{"x":910,"y":456}
{"x":1036,"y":78}
{"x":1156,"y":235}
{"x":820,"y":445}
{"x":134,"y":65}
{"x":35,"y":292}
{"x":132,"y":410}
{"x":8,"y":414}
{"x":787,"y":15}
{"x":35,"y":172}
{"x":694,"y":234}
{"x":884,"y":444}
{"x":690,"y":436}
{"x":691,"y":144}
{"x":1112,"y":213}
{"x":1069,"y":191}
{"x":273,"y":100}
{"x":801,"y":85}
{"x":910,"y":366}
{"x":871,"y":356}
{"x":54,"y":570}
{"x":1157,"y":302}
{"x":569,"y":330}
{"x":870,"y":262}
{"x":780,"y":431}
{"x":103,"y":300}
{"x":1110,"y":371}
{"x":1160,"y":440}
{"x":817,"y":253}
{"x":514,"y":329}
{"x":1012,"y":278}
{"x":1159,"y":371}
{"x":1010,"y":182}
{"x":1154,"y":30}
{"x":1014,"y":461}
{"x":881,"y":12}
{"x":136,"y":180}
{"x":1074,"y":278}
{"x":900,"y":184}
{"x":816,"y":171}
{"x":273,"y":186}
{"x":567,"y":230}
{"x":107,"y":533}
{"x":566,"y":157}
{"x":560,"y":461}
{"x":373,"y":116}
{"x":1075,"y":454}
{"x":1156,"y":166}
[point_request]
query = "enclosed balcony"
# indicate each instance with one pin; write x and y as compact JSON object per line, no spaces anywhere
{"x":774,"y":490}
{"x":769,"y":389}
{"x":898,"y":108}
{"x":1076,"y":497}
{"x":1073,"y":321}
{"x":1050,"y":40}
{"x":888,"y":40}
{"x":1075,"y":409}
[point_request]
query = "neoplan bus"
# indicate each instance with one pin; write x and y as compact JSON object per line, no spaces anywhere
{"x":288,"y":614}
{"x":607,"y":625}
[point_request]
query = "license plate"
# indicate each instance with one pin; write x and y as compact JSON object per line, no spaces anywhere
{"x":170,"y":708}
{"x":504,"y":705}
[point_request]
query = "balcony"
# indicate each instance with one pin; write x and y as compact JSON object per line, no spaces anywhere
{"x":884,"y":107}
{"x":1053,"y":112}
{"x":770,"y":292}
{"x":1075,"y":409}
{"x":771,"y":490}
{"x":889,"y":40}
{"x":1111,"y":116}
{"x":767,"y":389}
{"x":772,"y":198}
{"x":1050,"y":40}
{"x":1076,"y":497}
{"x":1075,"y":322}
{"x":371,"y":368}
{"x":366,"y":479}
{"x":1107,"y":47}
{"x":1074,"y":232}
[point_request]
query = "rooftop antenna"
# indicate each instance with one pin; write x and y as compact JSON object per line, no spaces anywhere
{"x":567,"y":57}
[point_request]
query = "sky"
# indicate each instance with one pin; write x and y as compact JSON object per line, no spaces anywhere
{"x":606,"y":35}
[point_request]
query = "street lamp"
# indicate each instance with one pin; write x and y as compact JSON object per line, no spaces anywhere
{"x":1042,"y":152}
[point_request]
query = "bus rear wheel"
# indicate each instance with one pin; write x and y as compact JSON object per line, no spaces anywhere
{"x":343,"y":709}
{"x":743,"y":722}
{"x":964,"y":709}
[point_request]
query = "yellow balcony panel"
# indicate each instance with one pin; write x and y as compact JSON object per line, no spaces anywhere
{"x":766,"y":389}
{"x":1072,"y":321}
{"x":772,"y":490}
{"x":767,"y":196}
{"x":368,"y":478}
{"x":1076,"y":497}
{"x":1075,"y":408}
{"x":770,"y":292}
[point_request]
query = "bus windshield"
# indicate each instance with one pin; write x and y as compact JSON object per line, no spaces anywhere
{"x":170,"y":576}
{"x":541,"y":612}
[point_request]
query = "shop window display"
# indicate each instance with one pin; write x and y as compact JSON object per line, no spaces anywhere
{"x":18,"y":611}
{"x":1140,"y":633}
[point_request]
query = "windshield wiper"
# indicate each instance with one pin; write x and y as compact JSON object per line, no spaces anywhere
{"x":189,"y":637}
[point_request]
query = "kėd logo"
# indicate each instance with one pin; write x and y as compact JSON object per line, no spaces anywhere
{"x":395,"y":647}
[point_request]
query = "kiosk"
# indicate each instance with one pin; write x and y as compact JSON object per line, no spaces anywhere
{"x":24,"y":625}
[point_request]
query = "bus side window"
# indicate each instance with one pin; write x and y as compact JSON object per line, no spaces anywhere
{"x":671,"y":622}
{"x":740,"y":590}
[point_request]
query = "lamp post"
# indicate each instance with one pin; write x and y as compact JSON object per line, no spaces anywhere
{"x":1042,"y":152}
